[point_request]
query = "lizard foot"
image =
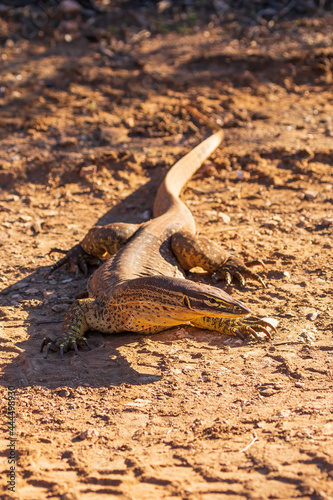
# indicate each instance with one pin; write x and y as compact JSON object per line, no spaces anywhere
{"x":234,"y":268}
{"x":250,"y":325}
{"x":77,"y":259}
{"x":63,"y":344}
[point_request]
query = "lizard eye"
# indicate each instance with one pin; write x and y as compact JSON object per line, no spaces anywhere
{"x":211,"y":301}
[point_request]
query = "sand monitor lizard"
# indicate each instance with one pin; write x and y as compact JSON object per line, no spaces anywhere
{"x":141,"y":286}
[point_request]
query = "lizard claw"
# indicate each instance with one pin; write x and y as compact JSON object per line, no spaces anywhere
{"x":58,"y":343}
{"x":48,"y":343}
{"x":250,"y":325}
{"x":77,"y":259}
{"x":234,"y":268}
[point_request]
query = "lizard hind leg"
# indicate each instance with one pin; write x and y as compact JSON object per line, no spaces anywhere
{"x":74,"y":327}
{"x":98,"y":244}
{"x":201,"y":252}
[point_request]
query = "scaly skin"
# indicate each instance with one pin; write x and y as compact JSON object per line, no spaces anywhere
{"x":141,"y":286}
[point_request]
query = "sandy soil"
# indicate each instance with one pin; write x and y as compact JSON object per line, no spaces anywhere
{"x":88,"y":128}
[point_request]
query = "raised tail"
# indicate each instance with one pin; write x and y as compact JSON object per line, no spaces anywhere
{"x":182,"y":171}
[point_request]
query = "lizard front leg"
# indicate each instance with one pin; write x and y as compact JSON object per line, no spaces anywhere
{"x":74,"y":327}
{"x":201,"y":252}
{"x":239,"y":327}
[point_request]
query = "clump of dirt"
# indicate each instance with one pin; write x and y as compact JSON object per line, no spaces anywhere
{"x":92,"y":116}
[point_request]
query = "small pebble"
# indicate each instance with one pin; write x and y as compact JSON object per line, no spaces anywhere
{"x":312,"y":316}
{"x":240,"y":175}
{"x":145,"y":215}
{"x":268,"y":392}
{"x":224,"y":218}
{"x":327,"y":222}
{"x":60,"y":308}
{"x":67,"y":141}
{"x":272,"y":224}
{"x":283,"y":413}
{"x":63,"y":393}
{"x":70,"y":7}
{"x":310,"y":195}
{"x":88,"y":434}
{"x":88,"y":171}
{"x":49,"y":295}
{"x":32,"y":291}
{"x":308,"y":336}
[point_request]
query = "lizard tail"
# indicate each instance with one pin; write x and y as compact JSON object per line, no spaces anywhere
{"x":182,"y":171}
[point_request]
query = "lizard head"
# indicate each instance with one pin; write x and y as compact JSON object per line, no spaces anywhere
{"x":160,"y":296}
{"x":210,"y":301}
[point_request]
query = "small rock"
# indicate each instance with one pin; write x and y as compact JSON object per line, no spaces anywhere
{"x":52,"y":281}
{"x":224,"y":218}
{"x":129,"y":121}
{"x":63,"y":393}
{"x":327,"y":222}
{"x":70,"y":7}
{"x":300,"y":385}
{"x":37,"y":226}
{"x":308,"y":336}
{"x":25,"y":218}
{"x":310,"y":195}
{"x":67,"y":141}
{"x":17,"y":296}
{"x":50,"y":213}
{"x":59,"y":308}
{"x":81,"y":390}
{"x":32,"y":291}
{"x":283,"y":413}
{"x":145,"y":215}
{"x":240,"y":174}
{"x":88,"y":171}
{"x":49,"y":295}
{"x":286,"y":274}
{"x":65,"y":299}
{"x":88,"y":434}
{"x":12,"y":197}
{"x":272,"y":224}
{"x":209,"y":169}
{"x":268,"y":392}
{"x":212,"y":215}
{"x":312,"y":315}
{"x":163,"y":5}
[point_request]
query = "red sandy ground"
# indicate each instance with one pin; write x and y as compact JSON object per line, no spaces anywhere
{"x":187,"y":413}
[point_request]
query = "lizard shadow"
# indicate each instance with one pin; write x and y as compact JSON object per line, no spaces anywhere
{"x":106,"y":364}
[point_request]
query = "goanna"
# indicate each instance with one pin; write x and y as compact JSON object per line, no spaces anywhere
{"x":141,"y":285}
